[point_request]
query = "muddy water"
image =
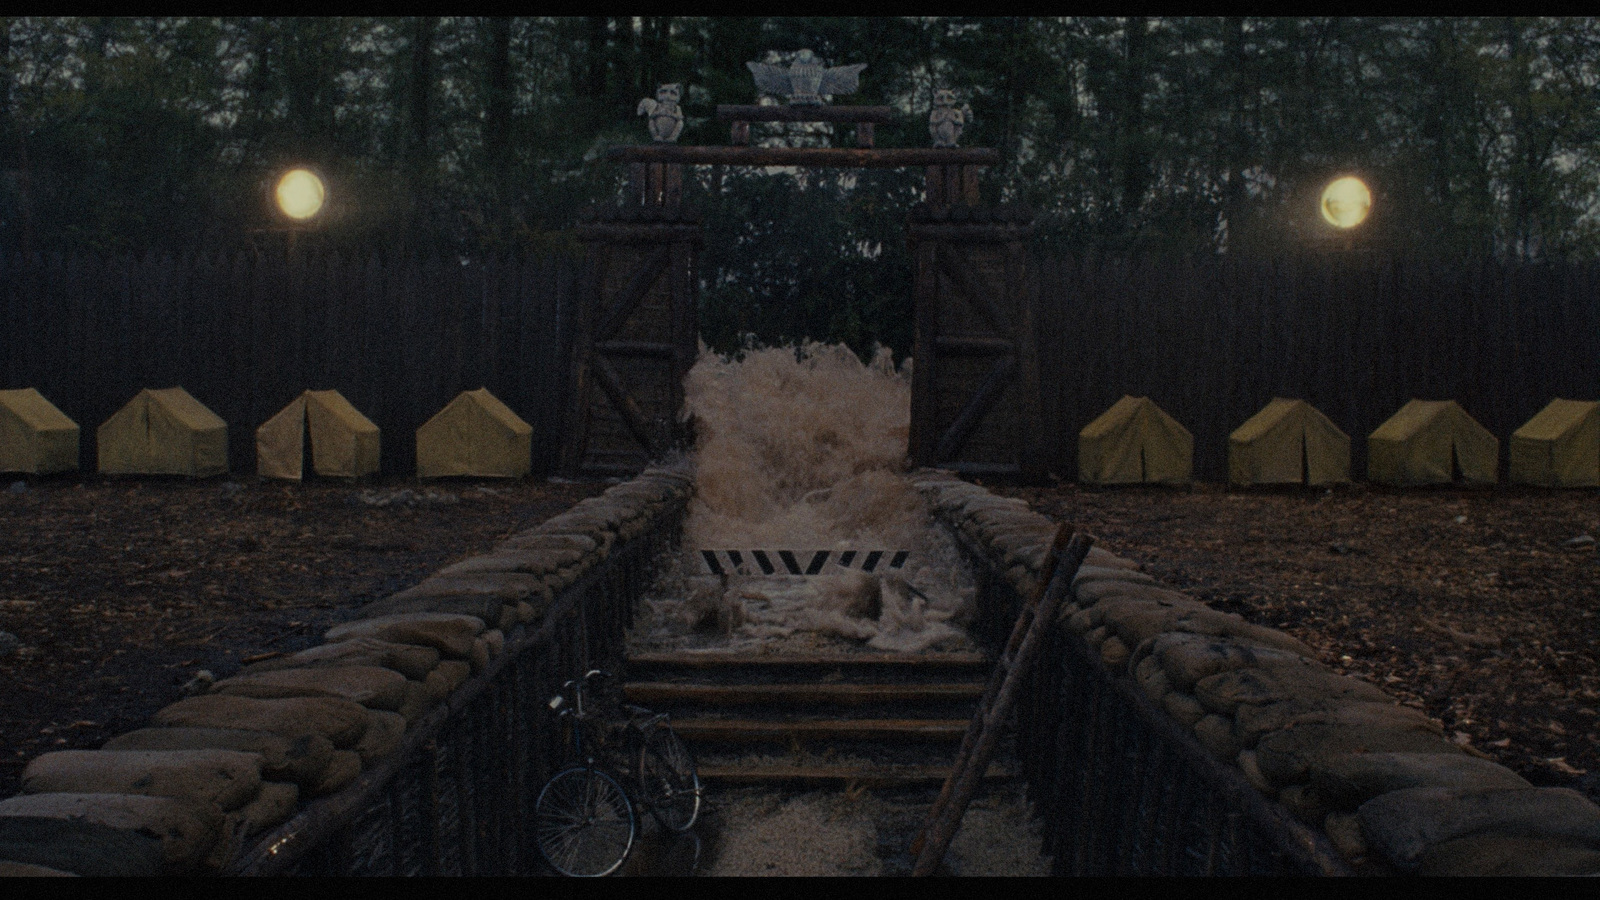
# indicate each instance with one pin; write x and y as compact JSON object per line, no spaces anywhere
{"x":804,"y":449}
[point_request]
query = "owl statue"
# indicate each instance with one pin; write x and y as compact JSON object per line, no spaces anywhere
{"x":946,"y":121}
{"x":806,"y":79}
{"x":666,"y":117}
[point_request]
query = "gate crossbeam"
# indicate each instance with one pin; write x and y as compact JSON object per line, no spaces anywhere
{"x":820,"y":157}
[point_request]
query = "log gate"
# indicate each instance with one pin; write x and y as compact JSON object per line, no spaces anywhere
{"x":975,"y":397}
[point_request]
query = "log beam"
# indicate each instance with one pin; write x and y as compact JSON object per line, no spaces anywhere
{"x":880,"y":115}
{"x":820,"y":157}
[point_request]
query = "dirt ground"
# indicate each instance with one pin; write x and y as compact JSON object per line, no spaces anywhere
{"x":1479,"y":606}
{"x":121,"y":591}
{"x":1465,"y":602}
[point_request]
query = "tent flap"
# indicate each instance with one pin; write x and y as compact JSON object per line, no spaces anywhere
{"x":280,"y":442}
{"x":344,"y":443}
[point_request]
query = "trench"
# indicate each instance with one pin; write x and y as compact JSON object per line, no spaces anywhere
{"x":809,"y":635}
{"x":799,"y":479}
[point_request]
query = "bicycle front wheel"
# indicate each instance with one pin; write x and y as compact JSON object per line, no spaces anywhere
{"x":668,"y":778}
{"x":584,"y":822}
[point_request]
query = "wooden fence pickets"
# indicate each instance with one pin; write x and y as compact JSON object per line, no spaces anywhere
{"x":1209,"y":339}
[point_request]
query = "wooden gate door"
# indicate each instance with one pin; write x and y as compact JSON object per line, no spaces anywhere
{"x":975,"y":399}
{"x":637,"y":333}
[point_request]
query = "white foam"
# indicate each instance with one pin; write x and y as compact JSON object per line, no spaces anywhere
{"x":805,"y":449}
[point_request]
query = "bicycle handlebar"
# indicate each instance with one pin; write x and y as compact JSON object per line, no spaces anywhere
{"x":577,"y":688}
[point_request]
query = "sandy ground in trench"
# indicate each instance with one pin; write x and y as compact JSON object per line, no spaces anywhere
{"x":846,"y":833}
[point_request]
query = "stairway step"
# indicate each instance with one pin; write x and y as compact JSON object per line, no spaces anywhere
{"x":717,"y":660}
{"x":652,"y":693}
{"x":858,"y":775}
{"x":731,"y":730}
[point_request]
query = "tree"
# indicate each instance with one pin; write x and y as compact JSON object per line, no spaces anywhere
{"x":1169,"y":134}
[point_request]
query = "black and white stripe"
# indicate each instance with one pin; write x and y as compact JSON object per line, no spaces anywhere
{"x":788,"y":562}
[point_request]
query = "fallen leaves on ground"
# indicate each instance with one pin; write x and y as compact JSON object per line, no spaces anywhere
{"x":1475,"y":605}
{"x":120,"y":591}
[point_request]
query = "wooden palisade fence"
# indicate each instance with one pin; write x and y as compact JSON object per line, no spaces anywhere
{"x":1356,"y":335}
{"x":1211,"y":340}
{"x":398,"y":337}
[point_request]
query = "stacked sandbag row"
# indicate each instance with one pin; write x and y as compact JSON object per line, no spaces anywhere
{"x":516,"y":582}
{"x":1391,"y":791}
{"x":187,"y":793}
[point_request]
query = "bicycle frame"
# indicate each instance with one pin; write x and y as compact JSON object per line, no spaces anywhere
{"x":588,"y":739}
{"x":590,"y":729}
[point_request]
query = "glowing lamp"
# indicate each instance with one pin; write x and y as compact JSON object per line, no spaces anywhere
{"x":300,"y":194}
{"x":1346,"y":202}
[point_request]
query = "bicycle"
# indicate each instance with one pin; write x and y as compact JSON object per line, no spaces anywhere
{"x":584,"y":817}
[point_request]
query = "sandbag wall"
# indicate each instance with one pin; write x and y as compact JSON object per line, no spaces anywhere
{"x":1335,"y":762}
{"x":401,"y":745}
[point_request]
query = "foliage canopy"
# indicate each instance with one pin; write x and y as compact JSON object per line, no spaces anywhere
{"x":1187,"y":135}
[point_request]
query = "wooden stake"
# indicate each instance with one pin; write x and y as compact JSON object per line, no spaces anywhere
{"x":978,"y":746}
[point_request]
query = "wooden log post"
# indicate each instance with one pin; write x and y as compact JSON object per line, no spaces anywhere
{"x":637,"y":186}
{"x":1067,"y":552}
{"x":662,"y":184}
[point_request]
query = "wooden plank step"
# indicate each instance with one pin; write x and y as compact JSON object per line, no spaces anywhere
{"x":650,"y":693}
{"x":864,"y":775}
{"x":713,"y":659}
{"x":816,"y":729}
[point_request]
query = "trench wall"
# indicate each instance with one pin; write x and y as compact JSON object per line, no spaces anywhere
{"x":409,"y":743}
{"x":1160,"y":736}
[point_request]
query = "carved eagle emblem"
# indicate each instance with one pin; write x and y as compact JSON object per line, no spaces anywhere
{"x":806,"y":79}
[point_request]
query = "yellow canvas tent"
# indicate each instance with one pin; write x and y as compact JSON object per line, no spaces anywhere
{"x":1428,"y":442}
{"x":35,"y":437}
{"x":1559,"y":447}
{"x":165,"y":432}
{"x":475,"y":434}
{"x":344,"y":443}
{"x":1134,"y":441}
{"x":1288,"y":442}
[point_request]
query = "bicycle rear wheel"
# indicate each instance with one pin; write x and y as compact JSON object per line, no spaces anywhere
{"x":584,"y":822}
{"x":668,"y":779}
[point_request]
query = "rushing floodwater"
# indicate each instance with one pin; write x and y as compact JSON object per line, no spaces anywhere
{"x":804,"y":449}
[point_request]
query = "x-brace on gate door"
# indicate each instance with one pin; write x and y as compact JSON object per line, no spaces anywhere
{"x":975,"y":404}
{"x":975,"y":398}
{"x":637,"y":333}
